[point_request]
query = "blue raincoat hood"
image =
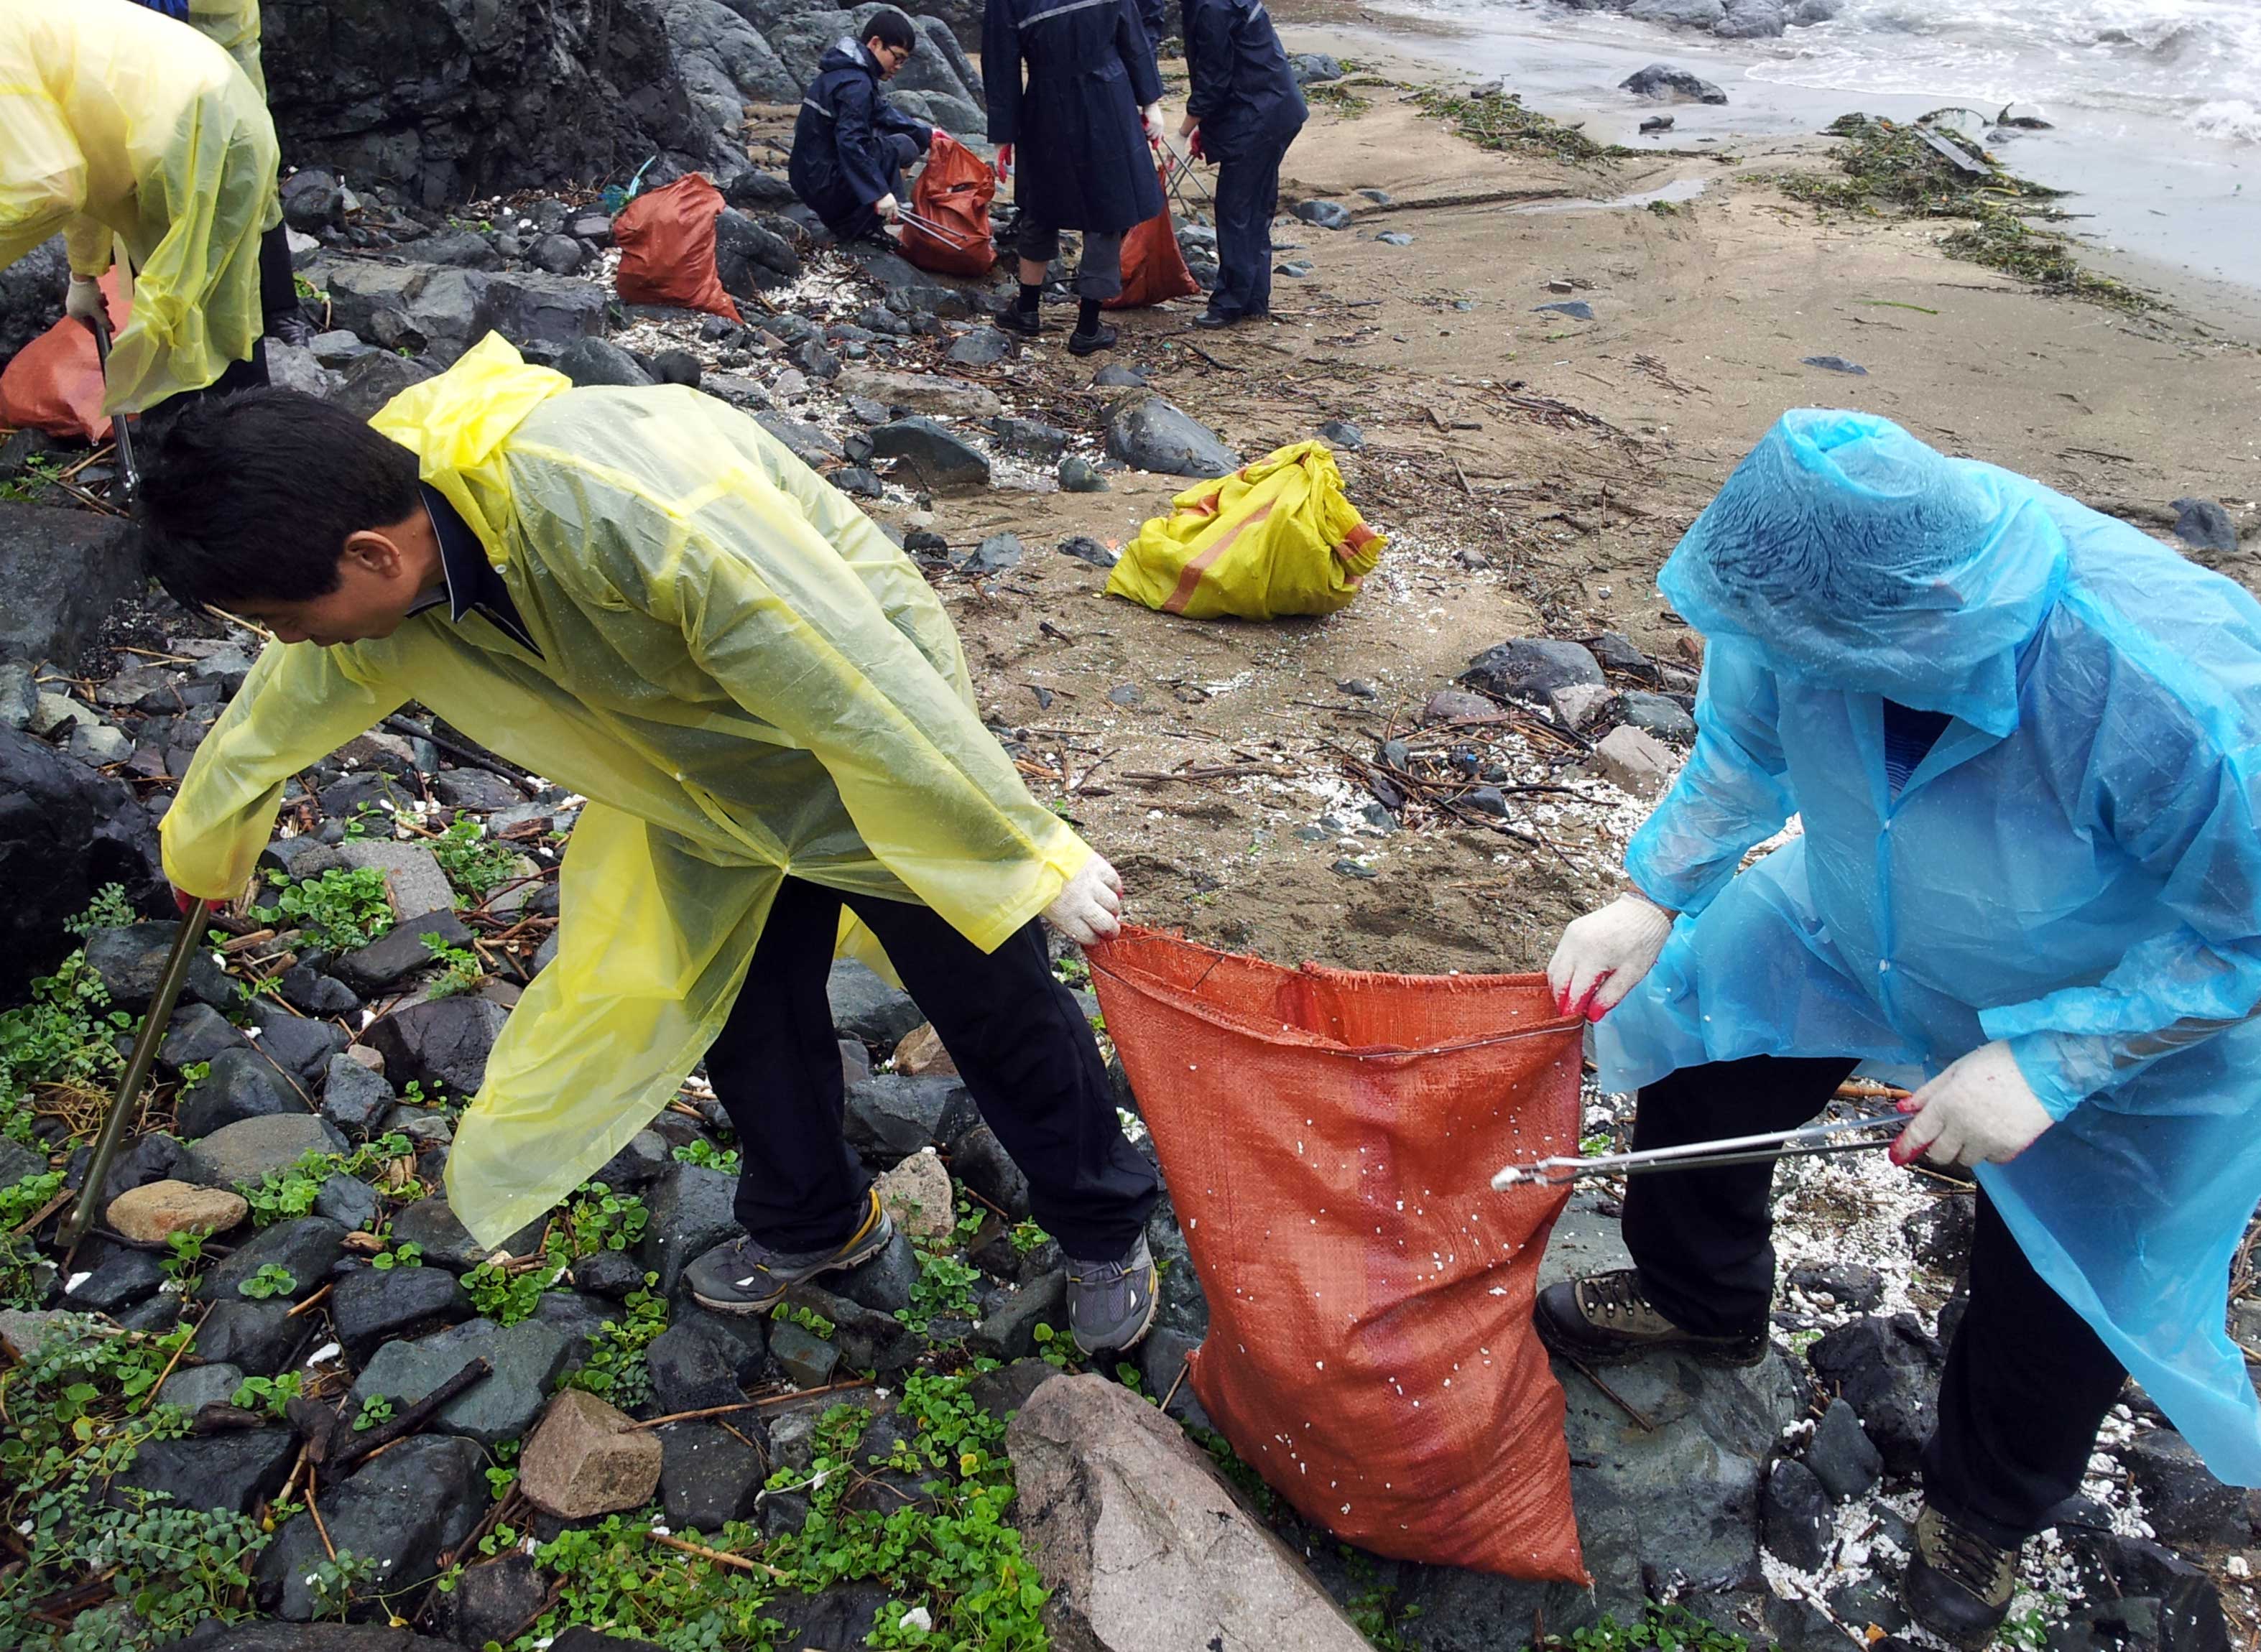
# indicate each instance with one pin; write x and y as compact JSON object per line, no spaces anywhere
{"x":1853,"y":557}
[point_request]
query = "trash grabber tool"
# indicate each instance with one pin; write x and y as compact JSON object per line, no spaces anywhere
{"x":926,"y":226}
{"x":120,"y":430}
{"x":137,"y":1073}
{"x":1697,"y":1156}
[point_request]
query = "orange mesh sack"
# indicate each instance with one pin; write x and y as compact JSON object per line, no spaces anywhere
{"x":54,"y":382}
{"x":667,"y":248}
{"x":953,"y":192}
{"x":1154,"y":269}
{"x":1328,"y":1139}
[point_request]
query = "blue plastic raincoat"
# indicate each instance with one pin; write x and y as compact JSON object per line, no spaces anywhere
{"x":2075,"y":867}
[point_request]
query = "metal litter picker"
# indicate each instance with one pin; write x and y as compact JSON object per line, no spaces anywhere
{"x":126,"y":1103}
{"x":1827,"y":1137}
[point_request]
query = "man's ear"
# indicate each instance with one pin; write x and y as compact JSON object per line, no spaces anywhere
{"x":376,"y":553}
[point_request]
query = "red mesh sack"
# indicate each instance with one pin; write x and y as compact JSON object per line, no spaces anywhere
{"x":953,"y":192}
{"x":667,"y":248}
{"x":1328,"y":1139}
{"x":54,"y":382}
{"x":1153,"y":269}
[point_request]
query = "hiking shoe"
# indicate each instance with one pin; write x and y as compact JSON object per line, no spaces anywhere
{"x":1111,"y":1304}
{"x":1958,"y":1583}
{"x":1604,"y":1316}
{"x":1090,"y":343}
{"x":1028,"y":323}
{"x":1211,"y":320}
{"x":744,"y":1276}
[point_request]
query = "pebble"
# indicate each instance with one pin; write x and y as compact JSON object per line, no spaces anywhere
{"x":153,"y":1214}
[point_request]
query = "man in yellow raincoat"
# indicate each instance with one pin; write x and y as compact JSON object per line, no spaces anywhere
{"x":641,"y":594}
{"x":118,"y":125}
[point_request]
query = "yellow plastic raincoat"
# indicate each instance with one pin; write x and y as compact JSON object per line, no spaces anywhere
{"x":115,"y":122}
{"x":233,"y":27}
{"x":740,"y":673}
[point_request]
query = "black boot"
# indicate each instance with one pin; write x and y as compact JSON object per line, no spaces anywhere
{"x":1958,"y":1585}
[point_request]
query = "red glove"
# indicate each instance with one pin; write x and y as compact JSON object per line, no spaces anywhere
{"x":1193,"y":145}
{"x":938,"y":143}
{"x":1003,"y":164}
{"x":188,"y":904}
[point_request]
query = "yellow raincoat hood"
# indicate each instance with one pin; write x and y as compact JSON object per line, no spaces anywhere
{"x":740,"y":673}
{"x":117,"y":123}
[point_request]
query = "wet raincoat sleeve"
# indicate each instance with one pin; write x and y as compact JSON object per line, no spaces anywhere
{"x":2172,"y":800}
{"x":761,"y":579}
{"x":860,"y":117}
{"x":1137,"y":51}
{"x":298,"y":705}
{"x":1734,"y":793}
{"x":1001,"y":71}
{"x":1209,"y":56}
{"x":233,"y":27}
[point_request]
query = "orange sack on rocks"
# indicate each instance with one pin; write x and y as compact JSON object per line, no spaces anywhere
{"x":54,"y":382}
{"x":1329,"y":1138}
{"x":1154,"y":269}
{"x":953,"y":192}
{"x":667,"y":248}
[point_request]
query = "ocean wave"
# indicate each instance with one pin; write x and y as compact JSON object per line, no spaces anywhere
{"x":2231,"y":118}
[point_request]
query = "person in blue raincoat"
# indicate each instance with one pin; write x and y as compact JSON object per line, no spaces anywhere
{"x":1243,"y":111}
{"x":1083,"y":127}
{"x":2024,"y":741}
{"x":850,"y":146}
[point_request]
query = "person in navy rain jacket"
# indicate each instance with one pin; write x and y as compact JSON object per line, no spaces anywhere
{"x":1243,"y":111}
{"x":851,"y":147}
{"x":1084,"y":125}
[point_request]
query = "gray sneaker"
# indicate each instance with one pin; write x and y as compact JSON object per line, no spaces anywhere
{"x":1111,"y":1304}
{"x":744,"y":1276}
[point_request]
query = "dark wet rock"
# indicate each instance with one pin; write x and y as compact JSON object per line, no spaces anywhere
{"x":758,"y":190}
{"x":843,"y":1615}
{"x":865,"y":1007}
{"x":1531,"y":668}
{"x":1941,"y":1233}
{"x":1795,"y":1516}
{"x":708,"y":1474}
{"x":891,"y":1116}
{"x":191,"y":1388}
{"x":492,"y":1601}
{"x":1151,"y":434}
{"x":2184,"y":1503}
{"x":65,"y":831}
{"x":610,"y":1274}
{"x":442,"y":1043}
{"x":352,"y":1204}
{"x":807,"y":442}
{"x":1119,"y":375}
{"x":1184,"y":1308}
{"x":993,"y":555}
{"x":1341,"y":433}
{"x":589,"y":361}
{"x":197,"y":1033}
{"x":231,"y":1471}
{"x":63,"y":571}
{"x":1327,"y":215}
{"x":1086,"y":549}
{"x":980,"y":1161}
{"x":936,"y":457}
{"x":559,"y":255}
{"x":1313,"y":69}
{"x":301,"y":1047}
{"x":2203,"y":526}
{"x":305,"y":1247}
{"x":1840,"y":1456}
{"x":1663,"y":84}
{"x":1849,"y":1284}
{"x":807,"y":1359}
{"x":257,"y":1338}
{"x":1836,"y":364}
{"x":690,"y":1213}
{"x":1887,"y":1369}
{"x":400,"y":953}
{"x":433,"y":1228}
{"x":377,"y":1305}
{"x":884,"y":1283}
{"x":528,"y":1358}
{"x":1030,"y":438}
{"x":245,"y":1151}
{"x":984,"y":347}
{"x":354,"y":1099}
{"x":130,"y":959}
{"x":678,"y":367}
{"x":1008,"y":1330}
{"x":124,"y":1278}
{"x":400,"y":1510}
{"x":242,"y":1084}
{"x":1659,"y":715}
{"x":693,"y":1366}
{"x":749,"y":258}
{"x":1079,"y":475}
{"x":458,"y":249}
{"x":637,"y":1165}
{"x":1751,"y":20}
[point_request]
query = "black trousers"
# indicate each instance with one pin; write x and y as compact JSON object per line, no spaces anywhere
{"x":1018,"y":1037}
{"x":1098,"y":272}
{"x":1247,"y":201}
{"x":903,"y":152}
{"x":2027,"y":1380}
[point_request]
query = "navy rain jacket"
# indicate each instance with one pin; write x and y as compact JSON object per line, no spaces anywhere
{"x":839,"y":166}
{"x":1081,"y":160}
{"x":1244,"y":94}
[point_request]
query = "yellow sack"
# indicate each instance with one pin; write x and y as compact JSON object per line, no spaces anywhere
{"x":1277,"y":537}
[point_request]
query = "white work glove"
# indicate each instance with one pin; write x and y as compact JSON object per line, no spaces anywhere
{"x":887,"y":207}
{"x":1980,"y":1111}
{"x":82,"y":300}
{"x":1603,"y":955}
{"x":1086,"y":909}
{"x":1152,"y":116}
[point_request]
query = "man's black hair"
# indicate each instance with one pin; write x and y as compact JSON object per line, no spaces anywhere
{"x":251,"y":497}
{"x":890,"y":27}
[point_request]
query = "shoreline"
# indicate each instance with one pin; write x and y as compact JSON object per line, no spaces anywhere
{"x":1573,"y":79}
